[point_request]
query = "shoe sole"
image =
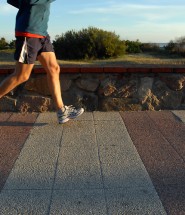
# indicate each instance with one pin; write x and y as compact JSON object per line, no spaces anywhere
{"x":64,"y":121}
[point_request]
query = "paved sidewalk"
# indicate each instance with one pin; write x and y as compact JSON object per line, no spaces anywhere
{"x":113,"y":163}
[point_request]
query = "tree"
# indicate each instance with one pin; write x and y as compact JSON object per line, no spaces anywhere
{"x":12,"y":44}
{"x":87,"y":44}
{"x":170,"y":47}
{"x":180,"y":45}
{"x":177,"y":46}
{"x":3,"y":43}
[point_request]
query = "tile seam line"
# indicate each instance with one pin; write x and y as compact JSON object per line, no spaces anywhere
{"x":101,"y":170}
{"x":55,"y":173}
{"x":165,"y":137}
{"x":20,"y":149}
{"x":9,"y":117}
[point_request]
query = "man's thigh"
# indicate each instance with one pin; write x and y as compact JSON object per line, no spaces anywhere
{"x":48,"y":61}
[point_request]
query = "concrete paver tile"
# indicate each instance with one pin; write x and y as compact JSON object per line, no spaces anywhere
{"x":173,"y":198}
{"x":122,"y":170}
{"x":171,"y":128}
{"x":35,"y":166}
{"x":164,"y":164}
{"x":14,"y":130}
{"x":86,"y":116}
{"x":78,"y":202}
{"x":121,"y":164}
{"x":112,"y":116}
{"x":134,"y":201}
{"x":4,"y":117}
{"x":161,"y":160}
{"x":78,"y":169}
{"x":112,"y":133}
{"x":79,"y":133}
{"x":24,"y":202}
{"x":180,"y":114}
{"x":78,"y":165}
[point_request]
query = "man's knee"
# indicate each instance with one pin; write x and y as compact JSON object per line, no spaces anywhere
{"x":54,"y":69}
{"x":21,"y":78}
{"x":24,"y":78}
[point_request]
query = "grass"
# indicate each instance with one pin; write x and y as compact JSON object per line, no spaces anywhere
{"x":6,"y":59}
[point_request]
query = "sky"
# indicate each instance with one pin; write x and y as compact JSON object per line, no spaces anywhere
{"x":146,"y":20}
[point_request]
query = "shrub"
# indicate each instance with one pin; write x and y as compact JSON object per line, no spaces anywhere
{"x":133,"y":46}
{"x":150,"y":47}
{"x":87,"y":44}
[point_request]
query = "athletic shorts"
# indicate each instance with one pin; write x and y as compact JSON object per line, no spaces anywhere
{"x":28,"y":48}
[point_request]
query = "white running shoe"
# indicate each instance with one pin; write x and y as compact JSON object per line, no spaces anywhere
{"x":69,"y":113}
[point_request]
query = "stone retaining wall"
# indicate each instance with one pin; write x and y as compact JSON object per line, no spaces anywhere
{"x":103,"y":91}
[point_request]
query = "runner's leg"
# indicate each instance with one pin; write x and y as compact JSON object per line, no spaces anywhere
{"x":21,"y":74}
{"x":49,"y":62}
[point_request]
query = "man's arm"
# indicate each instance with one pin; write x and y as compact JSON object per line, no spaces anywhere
{"x":14,"y":3}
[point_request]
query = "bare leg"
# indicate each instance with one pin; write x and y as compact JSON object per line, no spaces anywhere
{"x":49,"y":62}
{"x":21,"y":74}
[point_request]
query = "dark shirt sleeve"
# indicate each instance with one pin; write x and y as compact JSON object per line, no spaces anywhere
{"x":39,"y":1}
{"x":14,"y":3}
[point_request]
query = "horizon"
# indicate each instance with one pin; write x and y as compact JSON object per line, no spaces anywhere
{"x":149,"y":21}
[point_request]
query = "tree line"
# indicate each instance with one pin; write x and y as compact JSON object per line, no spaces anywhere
{"x":4,"y":44}
{"x":95,"y":43}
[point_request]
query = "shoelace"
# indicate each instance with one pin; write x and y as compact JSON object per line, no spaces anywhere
{"x":71,"y":108}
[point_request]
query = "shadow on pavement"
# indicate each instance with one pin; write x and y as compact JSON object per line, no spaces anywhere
{"x":9,"y":123}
